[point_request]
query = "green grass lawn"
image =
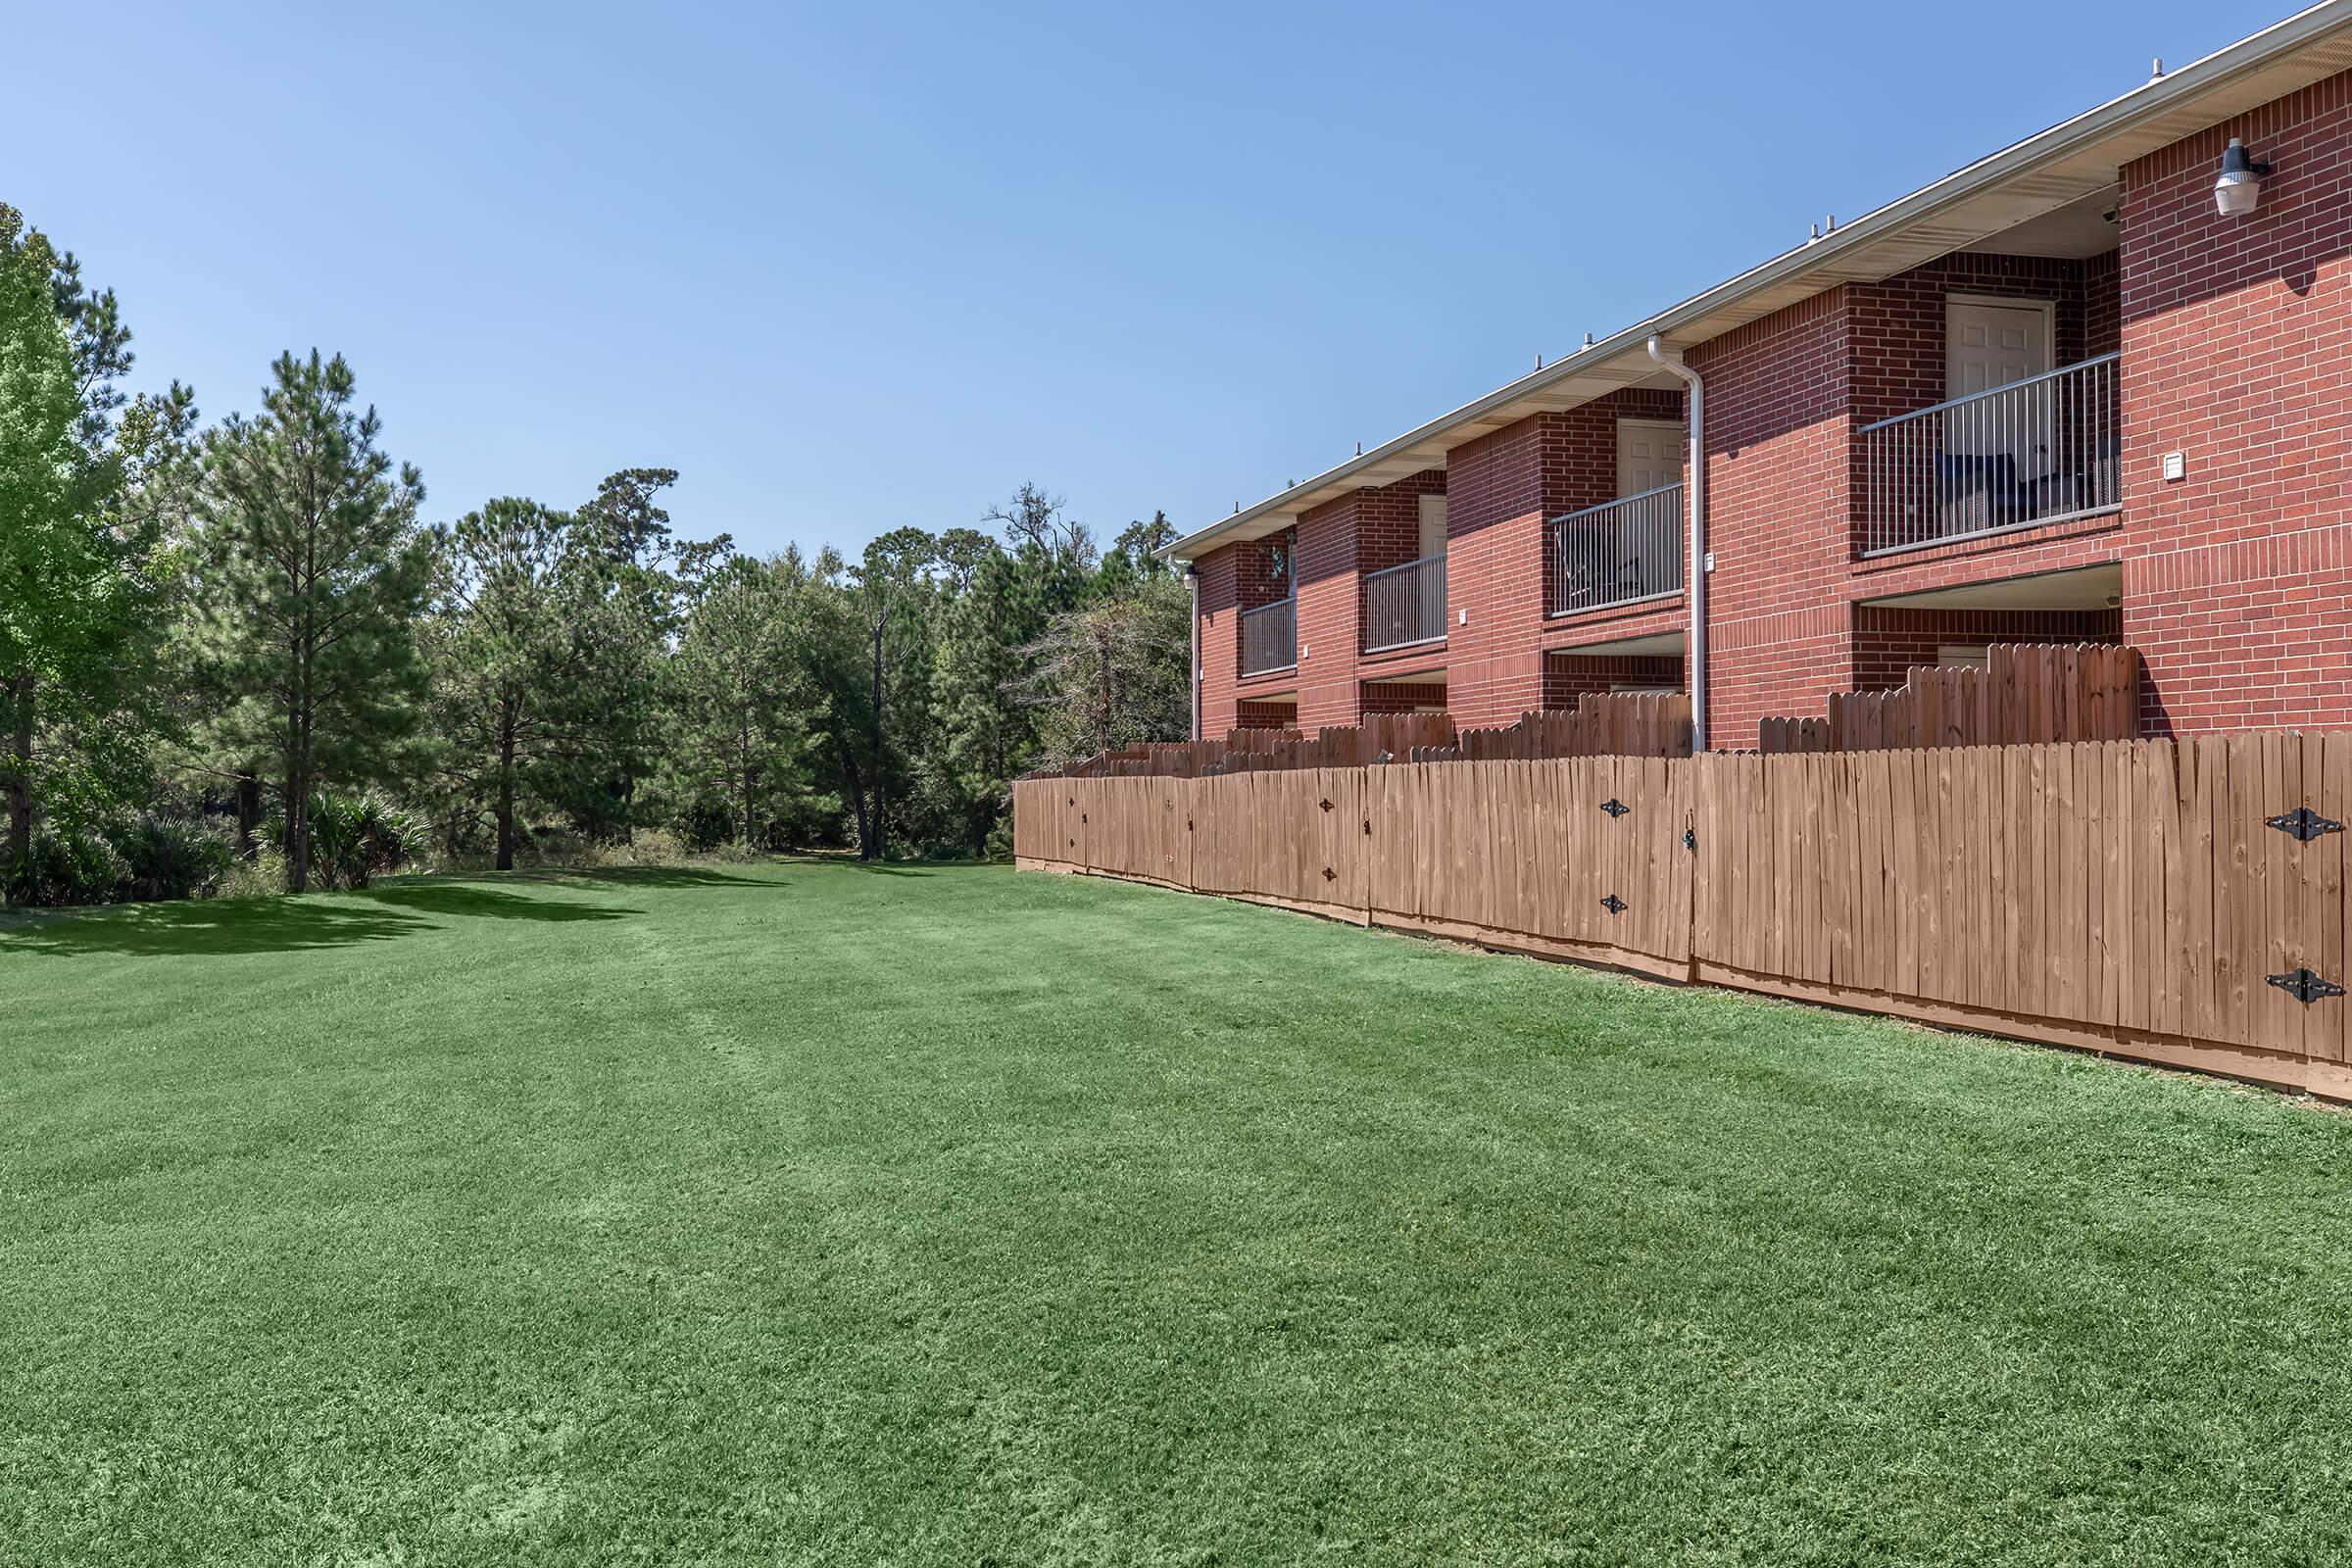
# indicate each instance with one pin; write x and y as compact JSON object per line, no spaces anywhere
{"x":817,"y":1214}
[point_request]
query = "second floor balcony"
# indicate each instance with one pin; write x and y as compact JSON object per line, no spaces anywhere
{"x":1270,"y":637}
{"x":1405,"y":605}
{"x":2044,"y":450}
{"x":1621,"y":553}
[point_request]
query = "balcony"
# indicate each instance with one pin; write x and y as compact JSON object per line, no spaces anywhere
{"x":1270,"y":637}
{"x":2026,"y":455}
{"x":1621,"y":553}
{"x":1405,"y":605}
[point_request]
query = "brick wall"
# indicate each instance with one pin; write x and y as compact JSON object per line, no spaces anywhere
{"x":2238,"y":338}
{"x":1500,"y":488}
{"x":1219,"y":573}
{"x":1779,"y":395}
{"x":1389,"y":518}
{"x":1494,"y":572}
{"x":1889,"y":641}
{"x":1337,"y":542}
{"x":1401,"y":697}
{"x":1568,"y":676}
{"x":1328,"y":602}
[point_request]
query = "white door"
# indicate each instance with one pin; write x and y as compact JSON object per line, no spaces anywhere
{"x":1989,"y":345}
{"x":1433,"y":526}
{"x":1650,"y":454}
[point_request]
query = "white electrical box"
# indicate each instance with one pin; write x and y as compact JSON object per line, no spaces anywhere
{"x":2176,"y":465}
{"x":1709,"y":561}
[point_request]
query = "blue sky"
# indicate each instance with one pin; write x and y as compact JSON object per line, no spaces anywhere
{"x":853,"y":267}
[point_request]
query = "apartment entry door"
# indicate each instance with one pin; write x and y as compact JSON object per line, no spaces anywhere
{"x":1993,"y":343}
{"x":1650,"y":454}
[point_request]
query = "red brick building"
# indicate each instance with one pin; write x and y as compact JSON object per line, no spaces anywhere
{"x":2069,"y":393}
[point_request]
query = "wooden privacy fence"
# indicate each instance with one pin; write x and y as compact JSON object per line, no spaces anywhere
{"x":2176,"y":902}
{"x":1380,"y":737}
{"x":1600,"y":725}
{"x":2026,"y":693}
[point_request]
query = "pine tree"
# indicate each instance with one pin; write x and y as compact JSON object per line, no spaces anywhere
{"x":503,"y":653}
{"x":312,"y":572}
{"x":737,"y":690}
{"x":85,"y":487}
{"x":45,"y":553}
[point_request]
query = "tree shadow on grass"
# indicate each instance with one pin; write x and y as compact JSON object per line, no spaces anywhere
{"x":214,"y":927}
{"x":496,"y":904}
{"x":641,"y":876}
{"x":850,"y":863}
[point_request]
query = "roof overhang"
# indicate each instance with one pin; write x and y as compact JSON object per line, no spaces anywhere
{"x":2040,"y":174}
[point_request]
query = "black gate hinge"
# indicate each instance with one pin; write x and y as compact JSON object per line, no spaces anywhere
{"x":2303,"y":824}
{"x":1615,"y":806}
{"x":1615,"y":904}
{"x":2306,"y":986}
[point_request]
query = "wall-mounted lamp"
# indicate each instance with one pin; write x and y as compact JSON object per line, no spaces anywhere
{"x":2239,"y":188}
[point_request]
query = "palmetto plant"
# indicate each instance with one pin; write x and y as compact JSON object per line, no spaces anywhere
{"x":356,"y":838}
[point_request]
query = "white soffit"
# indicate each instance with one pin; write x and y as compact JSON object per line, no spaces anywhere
{"x":1664,"y":642}
{"x":2084,"y":588}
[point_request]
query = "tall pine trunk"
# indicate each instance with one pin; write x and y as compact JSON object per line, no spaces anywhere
{"x":506,"y":784}
{"x":298,"y":830}
{"x":743,"y":774}
{"x":249,"y":814}
{"x":871,"y":848}
{"x":853,"y":790}
{"x":19,"y":781}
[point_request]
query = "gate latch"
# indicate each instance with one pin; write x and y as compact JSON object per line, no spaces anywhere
{"x":2303,"y":824}
{"x":2306,"y":986}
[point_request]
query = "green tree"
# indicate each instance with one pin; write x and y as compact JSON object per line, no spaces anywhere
{"x":504,"y":649}
{"x":85,"y":488}
{"x":738,"y":691}
{"x":312,"y":572}
{"x":893,"y":592}
{"x":628,"y":584}
{"x":46,"y":555}
{"x":1113,"y":673}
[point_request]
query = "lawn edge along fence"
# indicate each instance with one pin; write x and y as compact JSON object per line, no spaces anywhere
{"x":2180,"y":901}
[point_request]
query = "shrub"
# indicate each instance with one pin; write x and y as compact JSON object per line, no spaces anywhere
{"x":356,"y":838}
{"x":262,"y":876}
{"x":174,"y":858}
{"x":69,"y":867}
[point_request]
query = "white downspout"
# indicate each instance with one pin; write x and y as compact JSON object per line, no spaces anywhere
{"x":1191,"y":577}
{"x":1696,"y":577}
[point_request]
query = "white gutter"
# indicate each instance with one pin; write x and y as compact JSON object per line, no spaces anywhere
{"x":2143,"y":104}
{"x":1191,"y":579}
{"x":1694,"y":592}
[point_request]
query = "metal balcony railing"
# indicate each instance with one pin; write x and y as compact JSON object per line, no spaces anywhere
{"x":1405,"y":605}
{"x":1270,"y":637}
{"x":1618,"y":554}
{"x":2044,"y":450}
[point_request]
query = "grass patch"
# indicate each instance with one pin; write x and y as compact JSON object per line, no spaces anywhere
{"x":804,"y":1214}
